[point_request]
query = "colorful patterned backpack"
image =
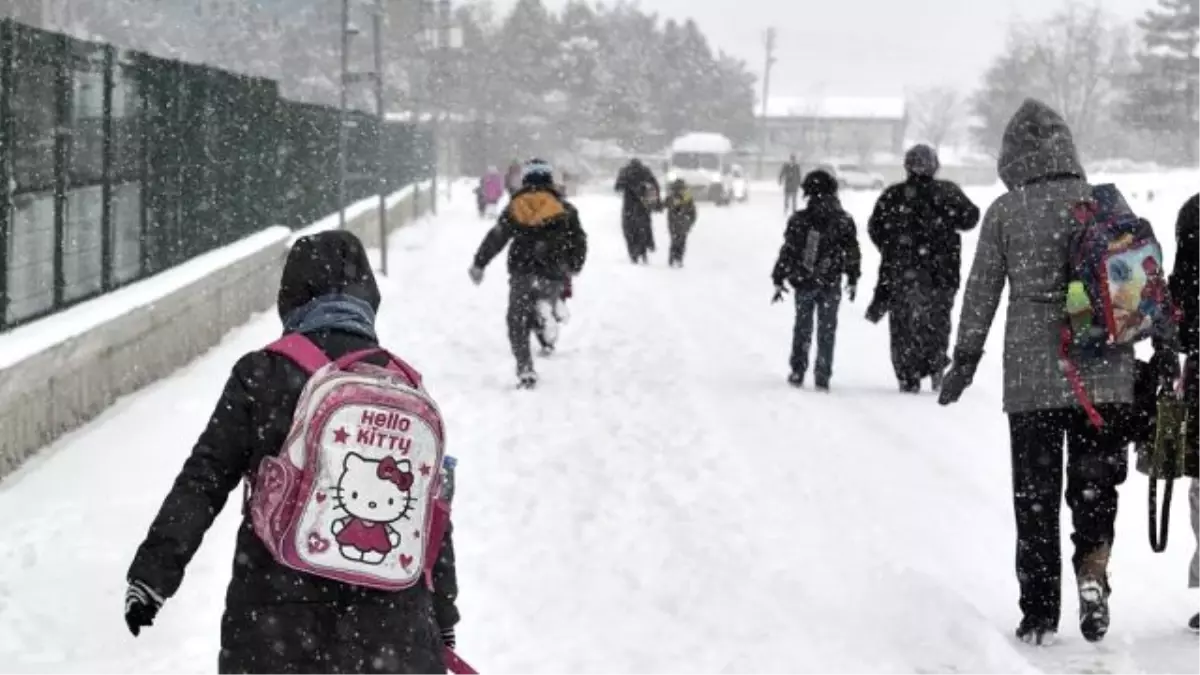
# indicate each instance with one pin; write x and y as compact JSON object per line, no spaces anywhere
{"x":1117,"y":291}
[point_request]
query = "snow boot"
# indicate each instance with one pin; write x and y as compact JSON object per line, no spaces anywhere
{"x":796,"y":379}
{"x":910,"y":386}
{"x":562,"y":314}
{"x":822,"y":386}
{"x":546,"y":323}
{"x":526,"y":378}
{"x":1194,"y":624}
{"x":935,"y":380}
{"x":1093,"y":594}
{"x":1036,"y":631}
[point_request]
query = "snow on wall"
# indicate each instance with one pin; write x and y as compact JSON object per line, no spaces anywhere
{"x":836,"y":107}
{"x":61,"y":371}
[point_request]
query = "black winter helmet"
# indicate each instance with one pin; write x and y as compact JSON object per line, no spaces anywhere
{"x":819,"y":182}
{"x":921,"y":160}
{"x":537,"y":173}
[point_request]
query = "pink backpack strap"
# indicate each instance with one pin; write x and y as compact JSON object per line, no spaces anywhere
{"x":455,"y":663}
{"x":301,"y":350}
{"x":396,"y":363}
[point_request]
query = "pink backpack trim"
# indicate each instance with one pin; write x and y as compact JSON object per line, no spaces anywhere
{"x":306,"y":354}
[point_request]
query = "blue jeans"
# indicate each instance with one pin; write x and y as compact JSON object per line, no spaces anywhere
{"x":824,"y":303}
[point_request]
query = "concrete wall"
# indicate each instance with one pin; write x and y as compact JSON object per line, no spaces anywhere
{"x":399,"y":213}
{"x":64,"y":385}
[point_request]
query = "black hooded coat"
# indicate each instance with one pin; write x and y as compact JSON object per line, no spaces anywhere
{"x":278,"y":620}
{"x":633,"y":183}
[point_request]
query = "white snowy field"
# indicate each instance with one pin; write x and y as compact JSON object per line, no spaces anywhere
{"x":663,"y":502}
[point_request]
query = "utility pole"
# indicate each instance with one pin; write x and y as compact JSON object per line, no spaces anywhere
{"x":419,"y":80}
{"x":380,"y":174}
{"x":342,"y":141}
{"x":766,"y":91}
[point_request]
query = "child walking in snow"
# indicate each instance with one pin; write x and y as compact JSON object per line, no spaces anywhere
{"x":820,"y":246}
{"x":681,"y":216}
{"x":548,"y":247}
{"x":278,"y":619}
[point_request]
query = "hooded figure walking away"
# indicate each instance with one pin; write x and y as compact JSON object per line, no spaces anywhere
{"x":548,"y":247}
{"x":916,"y":226}
{"x":820,"y":245}
{"x":1024,"y":243}
{"x":277,"y":619}
{"x":1185,"y":290}
{"x":789,"y":178}
{"x":640,"y":198}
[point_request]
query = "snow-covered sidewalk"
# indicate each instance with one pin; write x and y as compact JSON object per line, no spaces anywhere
{"x":664,"y":502}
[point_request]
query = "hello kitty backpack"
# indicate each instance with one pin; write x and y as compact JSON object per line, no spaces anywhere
{"x":355,"y":494}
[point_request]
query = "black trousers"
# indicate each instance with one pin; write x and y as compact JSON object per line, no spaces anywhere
{"x":1096,"y":465}
{"x":524,"y":292}
{"x":679,"y":235}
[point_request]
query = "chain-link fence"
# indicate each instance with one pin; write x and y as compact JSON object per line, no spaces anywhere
{"x":115,"y":165}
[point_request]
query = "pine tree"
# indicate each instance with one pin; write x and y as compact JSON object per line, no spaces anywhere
{"x":1162,"y":93}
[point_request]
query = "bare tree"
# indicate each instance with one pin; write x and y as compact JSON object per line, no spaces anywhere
{"x":1074,"y":62}
{"x":936,"y":114}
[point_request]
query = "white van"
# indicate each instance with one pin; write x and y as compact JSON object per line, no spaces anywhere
{"x":704,"y":161}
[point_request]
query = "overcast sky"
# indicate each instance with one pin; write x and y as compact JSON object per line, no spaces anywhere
{"x":863,"y":47}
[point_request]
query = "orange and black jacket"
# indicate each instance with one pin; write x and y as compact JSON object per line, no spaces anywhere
{"x":547,"y":238}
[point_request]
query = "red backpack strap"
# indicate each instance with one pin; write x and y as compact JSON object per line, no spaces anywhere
{"x":304,"y":352}
{"x":1072,"y":373}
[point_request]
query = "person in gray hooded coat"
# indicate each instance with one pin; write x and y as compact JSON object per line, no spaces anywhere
{"x":1024,"y":242}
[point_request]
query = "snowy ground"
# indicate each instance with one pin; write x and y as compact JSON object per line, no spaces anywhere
{"x":662,"y":503}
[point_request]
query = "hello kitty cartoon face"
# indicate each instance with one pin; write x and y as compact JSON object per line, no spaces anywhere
{"x":375,"y":491}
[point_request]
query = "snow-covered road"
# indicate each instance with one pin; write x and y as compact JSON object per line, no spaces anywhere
{"x":663,"y":502}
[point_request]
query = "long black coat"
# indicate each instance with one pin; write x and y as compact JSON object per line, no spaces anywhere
{"x":1185,"y":287}
{"x":278,"y":620}
{"x":916,"y":226}
{"x":636,"y":224}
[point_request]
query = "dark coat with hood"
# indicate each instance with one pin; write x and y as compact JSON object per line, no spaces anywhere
{"x":547,"y":238}
{"x":278,"y":620}
{"x":1185,"y":287}
{"x":916,"y":226}
{"x":1023,"y":243}
{"x":631,"y":183}
{"x":820,"y":244}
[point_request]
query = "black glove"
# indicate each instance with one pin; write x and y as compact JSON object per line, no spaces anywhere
{"x":852,"y":290}
{"x":448,"y":637}
{"x":141,"y":606}
{"x":962,"y":373}
{"x":780,"y":291}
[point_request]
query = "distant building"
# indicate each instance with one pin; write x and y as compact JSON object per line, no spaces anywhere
{"x":834,"y":127}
